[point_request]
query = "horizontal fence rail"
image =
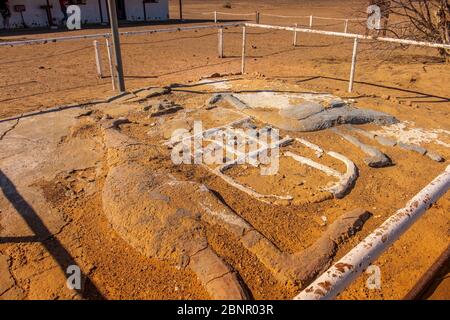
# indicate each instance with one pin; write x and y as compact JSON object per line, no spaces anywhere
{"x":108,"y":35}
{"x":221,"y":26}
{"x":344,"y":34}
{"x":352,"y":35}
{"x":315,"y":17}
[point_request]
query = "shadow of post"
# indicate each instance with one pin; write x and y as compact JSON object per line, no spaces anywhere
{"x":44,"y":236}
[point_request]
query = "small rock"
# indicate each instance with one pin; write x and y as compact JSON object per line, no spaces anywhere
{"x":154,"y":92}
{"x":282,"y":202}
{"x":213,"y":75}
{"x":119,"y":121}
{"x":412,"y":147}
{"x":336,"y":104}
{"x":434,"y":156}
{"x":385,"y":141}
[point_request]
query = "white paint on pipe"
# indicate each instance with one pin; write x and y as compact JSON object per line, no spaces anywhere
{"x":353,"y":35}
{"x":347,"y":269}
{"x":98,"y":61}
{"x":353,"y":68}
{"x":220,"y":43}
{"x":111,"y":65}
{"x":244,"y":36}
{"x":295,"y":35}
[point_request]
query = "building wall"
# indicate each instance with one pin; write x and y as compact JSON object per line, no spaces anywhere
{"x":34,"y":16}
{"x":155,"y":11}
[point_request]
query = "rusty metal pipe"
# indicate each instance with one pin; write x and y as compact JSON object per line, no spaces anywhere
{"x":347,"y":269}
{"x":426,"y":281}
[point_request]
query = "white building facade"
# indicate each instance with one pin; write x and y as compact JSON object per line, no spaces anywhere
{"x":44,"y":13}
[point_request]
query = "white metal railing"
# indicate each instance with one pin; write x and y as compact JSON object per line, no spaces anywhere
{"x":108,"y":35}
{"x":343,"y":272}
{"x":354,"y":36}
{"x":220,"y":27}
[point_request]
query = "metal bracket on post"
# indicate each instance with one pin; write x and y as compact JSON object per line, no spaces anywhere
{"x":244,"y":36}
{"x":352,"y":71}
{"x":220,"y":42}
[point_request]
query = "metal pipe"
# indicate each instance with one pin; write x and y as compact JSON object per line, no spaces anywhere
{"x":224,"y":25}
{"x":111,"y":66}
{"x":353,"y":35}
{"x":342,"y":273}
{"x":98,"y":61}
{"x":431,"y":275}
{"x":346,"y":26}
{"x":310,"y":21}
{"x":353,"y":68}
{"x":107,"y":35}
{"x":116,"y":44}
{"x":220,"y":43}
{"x":244,"y":36}
{"x":215,"y":16}
{"x":295,"y":35}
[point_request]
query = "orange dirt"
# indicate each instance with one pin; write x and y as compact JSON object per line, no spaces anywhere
{"x":411,"y":84}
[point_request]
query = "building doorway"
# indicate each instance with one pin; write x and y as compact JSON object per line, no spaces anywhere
{"x":121,"y":13}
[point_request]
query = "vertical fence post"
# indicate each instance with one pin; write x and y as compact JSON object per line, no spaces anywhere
{"x":111,"y":66}
{"x":352,"y":71}
{"x":215,"y":16}
{"x":98,"y":61}
{"x":295,"y":35}
{"x":118,"y":67}
{"x":346,"y":26}
{"x":310,"y":21}
{"x":244,"y":36}
{"x":257,"y":17}
{"x":220,"y":47}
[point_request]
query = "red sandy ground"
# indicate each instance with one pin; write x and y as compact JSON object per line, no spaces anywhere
{"x":41,"y":76}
